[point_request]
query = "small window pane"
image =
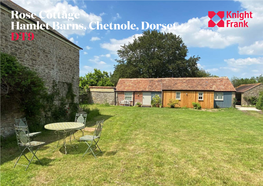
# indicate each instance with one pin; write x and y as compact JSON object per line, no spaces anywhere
{"x":200,"y":96}
{"x":128,"y":96}
{"x":219,"y":96}
{"x":178,"y":95}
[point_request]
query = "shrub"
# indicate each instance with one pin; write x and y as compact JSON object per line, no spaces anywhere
{"x":173,"y":102}
{"x":138,"y":104}
{"x":156,"y":101}
{"x":259,"y":104}
{"x":251,"y":100}
{"x":196,"y":105}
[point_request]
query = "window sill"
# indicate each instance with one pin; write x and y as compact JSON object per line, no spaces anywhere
{"x":219,"y":100}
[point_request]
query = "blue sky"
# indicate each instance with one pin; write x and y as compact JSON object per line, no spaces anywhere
{"x":223,"y":51}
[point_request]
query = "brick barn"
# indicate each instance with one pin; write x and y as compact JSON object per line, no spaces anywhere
{"x":210,"y":92}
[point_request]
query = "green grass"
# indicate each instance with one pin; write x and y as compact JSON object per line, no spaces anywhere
{"x":152,"y":146}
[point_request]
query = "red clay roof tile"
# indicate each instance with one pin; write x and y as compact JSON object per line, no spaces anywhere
{"x":245,"y":87}
{"x":159,"y":84}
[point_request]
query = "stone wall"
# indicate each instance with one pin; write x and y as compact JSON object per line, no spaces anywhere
{"x":254,"y":92}
{"x":101,"y":95}
{"x":53,"y":58}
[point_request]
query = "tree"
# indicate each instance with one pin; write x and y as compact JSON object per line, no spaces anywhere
{"x":239,"y":81}
{"x":155,"y":55}
{"x":97,"y":78}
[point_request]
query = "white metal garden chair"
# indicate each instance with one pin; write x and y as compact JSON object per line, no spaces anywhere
{"x":22,"y":122}
{"x":24,"y":142}
{"x":81,"y":118}
{"x":92,"y":140}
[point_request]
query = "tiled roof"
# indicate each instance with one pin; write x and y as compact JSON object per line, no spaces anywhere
{"x":245,"y":87}
{"x":13,"y":6}
{"x":158,"y":84}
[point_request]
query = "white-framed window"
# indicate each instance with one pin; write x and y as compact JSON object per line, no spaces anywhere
{"x":128,"y":96}
{"x":178,"y":96}
{"x":200,"y":96}
{"x":219,"y":96}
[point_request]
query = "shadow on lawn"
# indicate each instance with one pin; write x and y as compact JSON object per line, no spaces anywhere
{"x":10,"y":151}
{"x":81,"y":147}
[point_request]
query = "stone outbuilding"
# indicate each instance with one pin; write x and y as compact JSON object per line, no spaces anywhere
{"x":246,"y":91}
{"x":50,"y":54}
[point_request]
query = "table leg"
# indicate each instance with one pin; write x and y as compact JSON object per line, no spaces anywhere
{"x":65,"y":146}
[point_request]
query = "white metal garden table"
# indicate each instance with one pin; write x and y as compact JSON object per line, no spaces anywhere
{"x":64,"y":127}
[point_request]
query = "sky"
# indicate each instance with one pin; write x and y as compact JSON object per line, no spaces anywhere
{"x":223,"y":51}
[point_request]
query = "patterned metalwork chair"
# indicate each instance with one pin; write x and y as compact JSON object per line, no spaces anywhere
{"x":23,"y":122}
{"x":90,"y":139}
{"x":80,"y":118}
{"x":24,"y":142}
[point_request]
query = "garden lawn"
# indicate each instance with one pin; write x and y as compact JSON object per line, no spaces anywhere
{"x":152,"y":146}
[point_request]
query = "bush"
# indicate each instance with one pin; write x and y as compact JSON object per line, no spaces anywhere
{"x":156,"y":101}
{"x":196,"y":105}
{"x":259,"y":104}
{"x":251,"y":100}
{"x":138,"y":104}
{"x":173,"y":102}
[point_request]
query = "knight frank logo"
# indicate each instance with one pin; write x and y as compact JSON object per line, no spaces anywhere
{"x":232,"y":19}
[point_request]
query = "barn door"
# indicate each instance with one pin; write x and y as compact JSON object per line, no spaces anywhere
{"x":146,"y":98}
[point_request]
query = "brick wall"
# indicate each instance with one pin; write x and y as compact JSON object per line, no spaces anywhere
{"x":252,"y":92}
{"x":48,"y":55}
{"x":120,"y":97}
{"x":138,"y":97}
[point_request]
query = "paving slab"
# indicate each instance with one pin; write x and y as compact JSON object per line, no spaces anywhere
{"x":247,"y":108}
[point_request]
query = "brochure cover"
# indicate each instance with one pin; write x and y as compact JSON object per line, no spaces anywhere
{"x":137,"y":92}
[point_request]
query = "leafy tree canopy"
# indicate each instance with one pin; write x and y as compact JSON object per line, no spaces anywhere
{"x":155,"y":55}
{"x":97,"y":78}
{"x":239,"y":81}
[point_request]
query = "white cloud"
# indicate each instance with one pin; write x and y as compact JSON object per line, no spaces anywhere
{"x":244,"y":62}
{"x":94,"y":39}
{"x":56,"y":6}
{"x":115,"y":44}
{"x":85,"y":53}
{"x":97,"y":60}
{"x":102,"y":14}
{"x":254,"y":49}
{"x":200,"y":66}
{"x":107,"y":55}
{"x":88,"y":48}
{"x":87,"y":67}
{"x":230,"y":68}
{"x":116,"y":17}
{"x":71,"y":39}
{"x":212,"y":70}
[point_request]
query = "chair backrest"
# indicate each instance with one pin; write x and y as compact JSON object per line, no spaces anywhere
{"x":81,"y":118}
{"x":22,"y":135}
{"x":21,"y":122}
{"x":98,"y":129}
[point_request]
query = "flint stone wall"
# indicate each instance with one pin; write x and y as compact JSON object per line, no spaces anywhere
{"x":254,"y":92}
{"x":51,"y":57}
{"x":102,"y":95}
